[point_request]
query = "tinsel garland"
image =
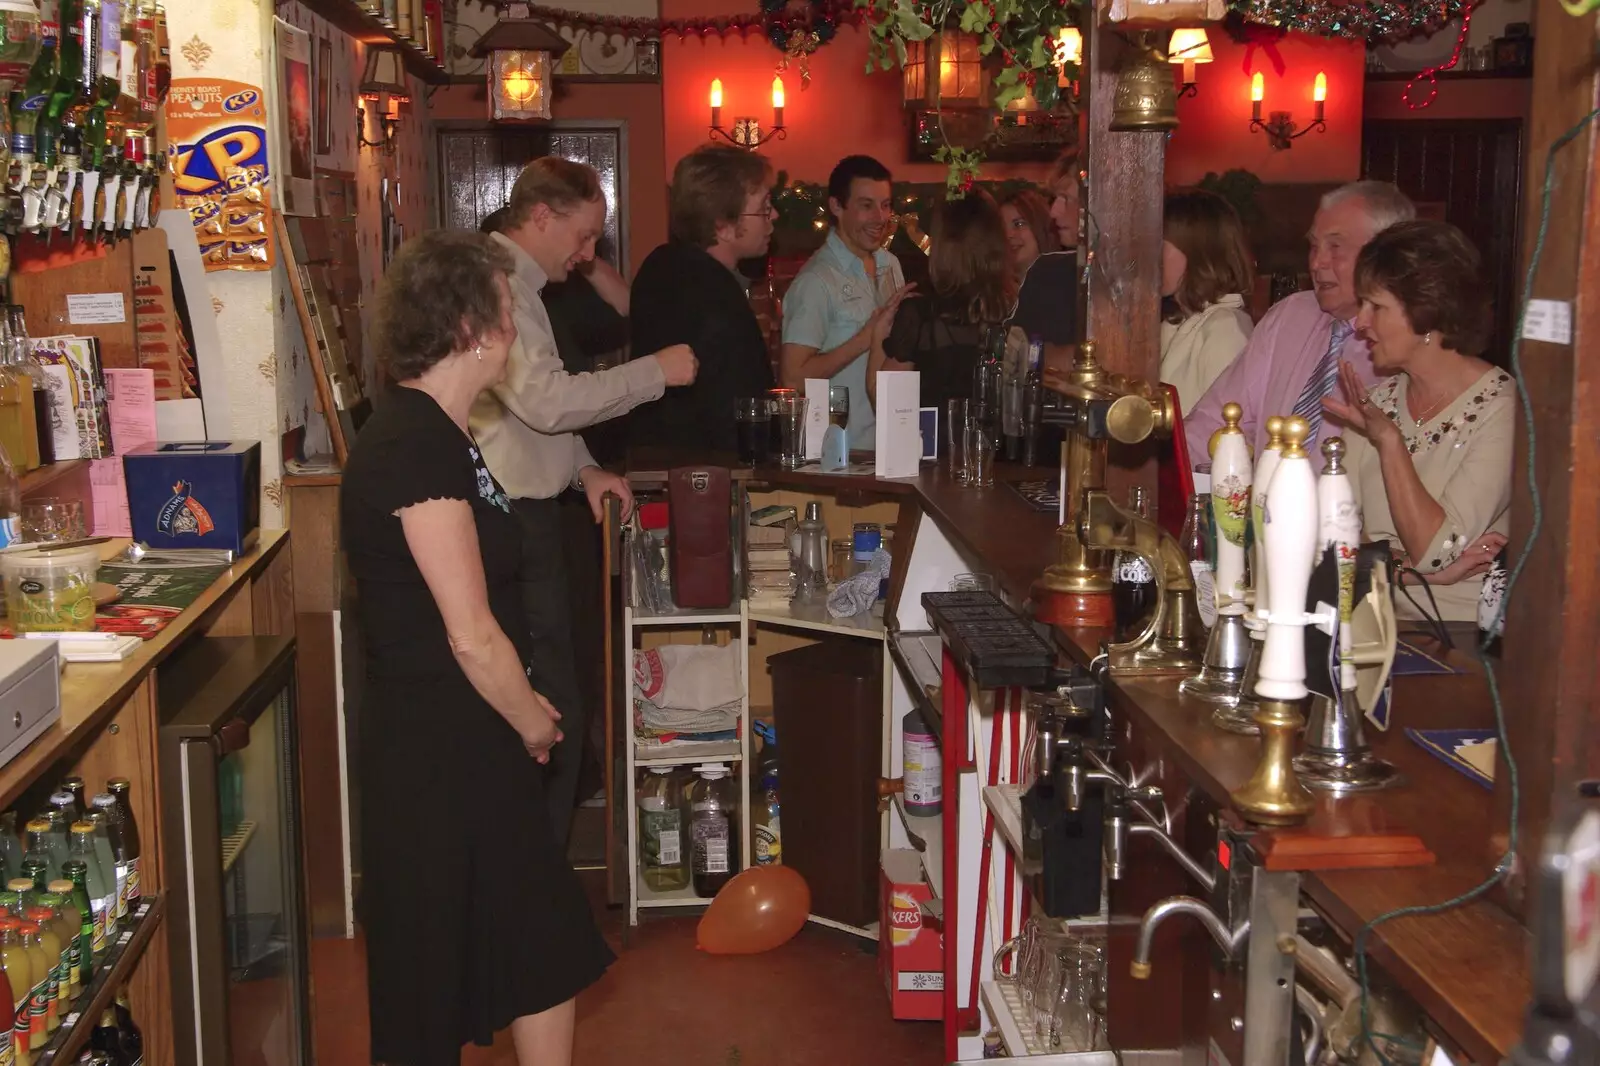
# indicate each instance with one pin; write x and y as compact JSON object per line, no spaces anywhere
{"x":1359,"y":19}
{"x":774,"y":22}
{"x":803,"y":205}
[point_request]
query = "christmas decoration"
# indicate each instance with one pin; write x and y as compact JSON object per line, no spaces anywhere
{"x":803,"y":206}
{"x":1371,"y":20}
{"x":777,"y":21}
{"x":1432,"y":73}
{"x":798,"y":32}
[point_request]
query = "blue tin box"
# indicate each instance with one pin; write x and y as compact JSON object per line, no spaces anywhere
{"x":195,"y":494}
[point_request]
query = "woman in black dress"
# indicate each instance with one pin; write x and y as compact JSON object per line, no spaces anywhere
{"x":473,"y":919}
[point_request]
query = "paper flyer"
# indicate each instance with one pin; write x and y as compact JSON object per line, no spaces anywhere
{"x":217,"y":154}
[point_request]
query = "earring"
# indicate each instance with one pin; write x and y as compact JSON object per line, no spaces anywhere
{"x":1427,"y":338}
{"x":478,"y":351}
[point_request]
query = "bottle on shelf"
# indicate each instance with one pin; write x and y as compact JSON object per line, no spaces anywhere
{"x":10,"y":500}
{"x":10,"y":846}
{"x":78,"y":873}
{"x":663,"y":862}
{"x":40,"y":861}
{"x":922,"y":768}
{"x":19,"y":352}
{"x":39,"y":994}
{"x":71,"y":931}
{"x":1133,"y":582}
{"x":765,"y":812}
{"x":163,"y":56}
{"x":53,"y":919}
{"x":75,"y":787}
{"x":8,"y":1051}
{"x":124,"y":110}
{"x":128,"y":856}
{"x":105,"y":68}
{"x":30,"y":99}
{"x":132,"y":1038}
{"x":10,"y":904}
{"x":1195,"y":540}
{"x":146,"y":26}
{"x":713,"y":829}
{"x":107,"y":809}
{"x":42,"y":919}
{"x":94,"y":883}
{"x":16,"y":416}
{"x":19,"y":975}
{"x":18,"y":898}
{"x":64,"y":810}
{"x":68,"y":84}
{"x":116,"y":900}
{"x":106,"y":1040}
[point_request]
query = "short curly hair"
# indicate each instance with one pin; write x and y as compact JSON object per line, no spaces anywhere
{"x":438,"y":296}
{"x":1436,"y":274}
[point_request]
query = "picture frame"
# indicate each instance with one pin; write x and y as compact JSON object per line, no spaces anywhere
{"x":324,"y":100}
{"x":292,"y":146}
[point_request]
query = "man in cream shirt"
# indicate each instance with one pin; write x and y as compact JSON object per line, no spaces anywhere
{"x":526,"y":428}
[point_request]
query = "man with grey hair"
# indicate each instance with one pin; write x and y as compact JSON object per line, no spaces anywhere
{"x":1292,"y":359}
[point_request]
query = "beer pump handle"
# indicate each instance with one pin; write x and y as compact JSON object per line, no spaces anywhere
{"x":1230,"y":505}
{"x":1289,"y":526}
{"x":1341,"y":531}
{"x":1266,"y":466}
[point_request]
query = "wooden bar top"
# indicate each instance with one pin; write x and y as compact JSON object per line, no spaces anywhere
{"x":92,"y":692}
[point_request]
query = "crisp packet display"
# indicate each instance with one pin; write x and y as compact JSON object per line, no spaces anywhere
{"x":217,"y":136}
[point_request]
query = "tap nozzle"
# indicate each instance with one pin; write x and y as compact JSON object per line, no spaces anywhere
{"x":1227,"y":939}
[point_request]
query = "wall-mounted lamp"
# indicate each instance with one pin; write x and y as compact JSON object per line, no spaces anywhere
{"x":746,"y":131}
{"x":383,"y":85}
{"x":1279,"y":127}
{"x":1068,"y":50}
{"x":522,"y":55}
{"x":1189,"y":47}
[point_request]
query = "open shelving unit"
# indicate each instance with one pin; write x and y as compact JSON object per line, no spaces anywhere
{"x":349,"y":16}
{"x":84,"y":1012}
{"x":640,"y":756}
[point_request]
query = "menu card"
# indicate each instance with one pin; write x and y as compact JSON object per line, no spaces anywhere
{"x":899,"y":428}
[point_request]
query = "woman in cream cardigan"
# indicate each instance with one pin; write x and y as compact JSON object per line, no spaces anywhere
{"x":1205,"y":270}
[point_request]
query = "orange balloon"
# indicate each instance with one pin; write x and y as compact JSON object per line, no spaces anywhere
{"x":757,"y":911}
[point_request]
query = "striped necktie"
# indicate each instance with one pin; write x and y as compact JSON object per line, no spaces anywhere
{"x":1321,"y":382}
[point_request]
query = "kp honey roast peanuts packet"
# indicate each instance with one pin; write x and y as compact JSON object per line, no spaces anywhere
{"x":218,"y":156}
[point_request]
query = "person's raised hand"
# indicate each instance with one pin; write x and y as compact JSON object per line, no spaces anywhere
{"x":678,"y":364}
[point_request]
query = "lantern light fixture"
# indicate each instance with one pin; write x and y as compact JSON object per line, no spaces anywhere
{"x":521,"y":54}
{"x":383,"y":85}
{"x":1189,"y":47}
{"x":1279,"y":126}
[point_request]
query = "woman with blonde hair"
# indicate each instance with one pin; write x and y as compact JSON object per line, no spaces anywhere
{"x":1205,"y":272}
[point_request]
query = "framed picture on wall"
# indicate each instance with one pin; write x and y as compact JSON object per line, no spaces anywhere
{"x":324,"y":122}
{"x":291,"y":140}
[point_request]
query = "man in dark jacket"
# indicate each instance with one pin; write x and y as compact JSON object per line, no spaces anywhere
{"x":689,"y":291}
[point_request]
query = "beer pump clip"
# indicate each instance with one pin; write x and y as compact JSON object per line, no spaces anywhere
{"x":1173,"y":637}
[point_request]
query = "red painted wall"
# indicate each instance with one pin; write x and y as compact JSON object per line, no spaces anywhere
{"x":1214,"y":126}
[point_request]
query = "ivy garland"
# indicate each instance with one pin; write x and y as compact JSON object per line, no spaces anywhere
{"x":781,"y":29}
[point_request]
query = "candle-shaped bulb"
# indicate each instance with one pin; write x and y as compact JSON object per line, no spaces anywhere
{"x":716,"y":93}
{"x":1319,"y":90}
{"x":1258,"y":88}
{"x":1188,"y":71}
{"x":777,"y":94}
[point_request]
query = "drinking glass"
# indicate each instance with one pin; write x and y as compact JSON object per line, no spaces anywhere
{"x":955,"y":443}
{"x":972,"y":583}
{"x":791,"y":416}
{"x":1073,"y":1025}
{"x":48,"y":519}
{"x":753,"y":427}
{"x":980,"y":454}
{"x":839,"y":405}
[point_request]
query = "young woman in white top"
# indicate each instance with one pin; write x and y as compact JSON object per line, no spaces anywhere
{"x":1205,"y":270}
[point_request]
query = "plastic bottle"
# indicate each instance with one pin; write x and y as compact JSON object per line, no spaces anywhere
{"x":662,"y":856}
{"x":713,"y":828}
{"x":71,"y":931}
{"x":768,"y":830}
{"x":77,"y":872}
{"x":922,"y":768}
{"x":116,"y":901}
{"x":128,"y":856}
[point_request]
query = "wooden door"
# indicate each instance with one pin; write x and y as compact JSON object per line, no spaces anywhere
{"x":1470,"y":174}
{"x":477,"y":168}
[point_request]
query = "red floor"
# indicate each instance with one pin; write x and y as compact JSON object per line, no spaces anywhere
{"x":816,"y":1001}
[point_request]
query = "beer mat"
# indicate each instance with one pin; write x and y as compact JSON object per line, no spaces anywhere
{"x":1411,"y":661}
{"x":1040,"y":495}
{"x":1469,"y":751}
{"x":153,"y":594}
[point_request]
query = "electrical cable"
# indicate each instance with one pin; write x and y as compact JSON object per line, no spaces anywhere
{"x":1536,"y":501}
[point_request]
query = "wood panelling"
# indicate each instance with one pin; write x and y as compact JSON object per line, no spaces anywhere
{"x":1472,"y":171}
{"x":44,"y":293}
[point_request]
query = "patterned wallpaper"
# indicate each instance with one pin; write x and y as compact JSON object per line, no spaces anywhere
{"x":269,"y":373}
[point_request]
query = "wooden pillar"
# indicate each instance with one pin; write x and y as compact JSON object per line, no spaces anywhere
{"x":1548,"y":681}
{"x":1124,"y":203}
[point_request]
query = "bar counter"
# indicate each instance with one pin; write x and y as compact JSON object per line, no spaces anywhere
{"x":1468,"y":967}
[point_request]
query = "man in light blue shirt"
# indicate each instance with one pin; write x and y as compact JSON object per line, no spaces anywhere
{"x":844,"y":291}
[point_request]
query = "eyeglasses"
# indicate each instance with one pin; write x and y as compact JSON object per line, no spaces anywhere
{"x":767,"y":212}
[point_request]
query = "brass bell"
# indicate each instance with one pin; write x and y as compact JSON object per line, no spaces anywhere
{"x":1145,"y":98}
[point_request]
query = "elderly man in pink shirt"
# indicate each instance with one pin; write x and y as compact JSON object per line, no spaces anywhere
{"x":1292,"y":359}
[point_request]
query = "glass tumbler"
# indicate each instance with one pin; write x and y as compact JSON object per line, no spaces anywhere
{"x":980,"y":454}
{"x":47,"y":520}
{"x":791,"y":415}
{"x":753,"y":429}
{"x":955,"y":441}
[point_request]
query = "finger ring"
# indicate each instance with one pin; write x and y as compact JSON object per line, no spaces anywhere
{"x":1363,"y":401}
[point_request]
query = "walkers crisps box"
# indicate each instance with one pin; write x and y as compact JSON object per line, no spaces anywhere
{"x":910,"y":943}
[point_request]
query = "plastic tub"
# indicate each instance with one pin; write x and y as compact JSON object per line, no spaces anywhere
{"x":50,"y":591}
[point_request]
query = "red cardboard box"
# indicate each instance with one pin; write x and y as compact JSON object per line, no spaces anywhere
{"x":910,"y":942}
